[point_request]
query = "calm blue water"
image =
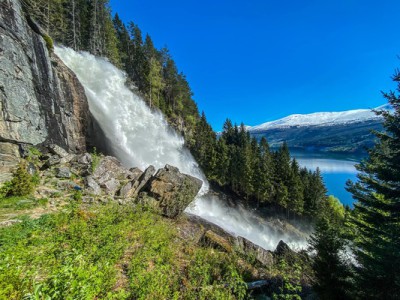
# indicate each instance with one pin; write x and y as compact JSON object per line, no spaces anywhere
{"x":335,"y":170}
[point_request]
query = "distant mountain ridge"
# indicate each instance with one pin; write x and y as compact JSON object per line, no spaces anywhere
{"x":345,"y":131}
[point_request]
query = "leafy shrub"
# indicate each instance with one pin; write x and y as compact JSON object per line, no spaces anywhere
{"x":77,"y":196}
{"x":5,"y":189}
{"x":291,"y":285}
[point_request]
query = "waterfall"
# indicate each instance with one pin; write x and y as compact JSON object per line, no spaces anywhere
{"x":139,"y":137}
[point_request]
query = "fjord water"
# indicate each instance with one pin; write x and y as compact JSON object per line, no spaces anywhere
{"x":139,"y":137}
{"x":335,"y":169}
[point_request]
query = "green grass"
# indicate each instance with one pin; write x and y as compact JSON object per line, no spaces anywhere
{"x":110,"y":252}
{"x":18,"y":203}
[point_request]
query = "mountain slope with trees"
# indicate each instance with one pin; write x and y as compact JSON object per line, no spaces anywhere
{"x":234,"y":162}
{"x":88,"y":26}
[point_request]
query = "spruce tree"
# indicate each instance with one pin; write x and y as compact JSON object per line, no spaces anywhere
{"x":332,"y":272}
{"x":376,"y":221}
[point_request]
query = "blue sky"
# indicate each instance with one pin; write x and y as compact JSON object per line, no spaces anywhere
{"x":256,"y":61}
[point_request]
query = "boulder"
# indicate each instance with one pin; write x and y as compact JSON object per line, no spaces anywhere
{"x":63,"y":172}
{"x":92,"y":186}
{"x":66,"y":185}
{"x":82,"y":164}
{"x":135,"y":173}
{"x":173,"y":190}
{"x":210,"y":238}
{"x":111,"y":186}
{"x":283,"y":249}
{"x":84,"y":159}
{"x":248,"y":248}
{"x":53,"y":160}
{"x":108,"y":168}
{"x":125,"y":189}
{"x":55,"y":149}
{"x":132,"y":188}
{"x":31,"y":168}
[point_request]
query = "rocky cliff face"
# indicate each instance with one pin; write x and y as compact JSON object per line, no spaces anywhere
{"x":42,"y":101}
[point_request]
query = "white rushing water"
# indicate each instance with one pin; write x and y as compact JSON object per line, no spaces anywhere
{"x":140,"y":137}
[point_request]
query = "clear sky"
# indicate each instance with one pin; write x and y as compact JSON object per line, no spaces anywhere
{"x":258,"y":60}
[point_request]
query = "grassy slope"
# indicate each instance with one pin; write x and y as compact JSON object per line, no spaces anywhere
{"x":110,"y":252}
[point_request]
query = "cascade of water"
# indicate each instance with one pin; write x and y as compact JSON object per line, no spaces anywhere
{"x":139,"y":136}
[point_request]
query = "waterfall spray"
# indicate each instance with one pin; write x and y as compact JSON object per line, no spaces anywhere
{"x":139,"y":137}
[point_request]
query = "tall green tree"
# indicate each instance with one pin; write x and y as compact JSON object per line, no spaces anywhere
{"x":332,"y":270}
{"x":155,"y":82}
{"x":296,"y":189}
{"x":376,"y":221}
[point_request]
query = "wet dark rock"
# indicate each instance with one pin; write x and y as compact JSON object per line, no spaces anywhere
{"x":283,"y":249}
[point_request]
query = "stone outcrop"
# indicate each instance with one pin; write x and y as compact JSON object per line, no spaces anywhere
{"x":263,"y":256}
{"x":132,"y":188}
{"x":283,"y":249}
{"x":42,"y":101}
{"x":173,"y":190}
{"x":168,"y":191}
{"x":109,"y":173}
{"x":210,"y":238}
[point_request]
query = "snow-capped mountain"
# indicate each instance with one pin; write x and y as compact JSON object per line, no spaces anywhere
{"x":346,"y":131}
{"x":320,"y":119}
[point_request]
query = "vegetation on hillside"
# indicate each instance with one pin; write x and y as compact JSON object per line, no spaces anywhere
{"x":253,"y":171}
{"x":64,"y":242}
{"x":111,"y":252}
{"x":78,"y":252}
{"x":234,"y":162}
{"x":358,"y":252}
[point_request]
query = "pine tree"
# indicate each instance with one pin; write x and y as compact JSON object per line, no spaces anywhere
{"x":265,"y":191}
{"x":314,"y":192}
{"x":332,"y":272}
{"x":296,"y":189}
{"x":376,"y":221}
{"x":123,"y":44}
{"x":222,"y":165}
{"x":155,"y":82}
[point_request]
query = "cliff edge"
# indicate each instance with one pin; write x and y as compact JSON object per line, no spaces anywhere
{"x":42,"y":101}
